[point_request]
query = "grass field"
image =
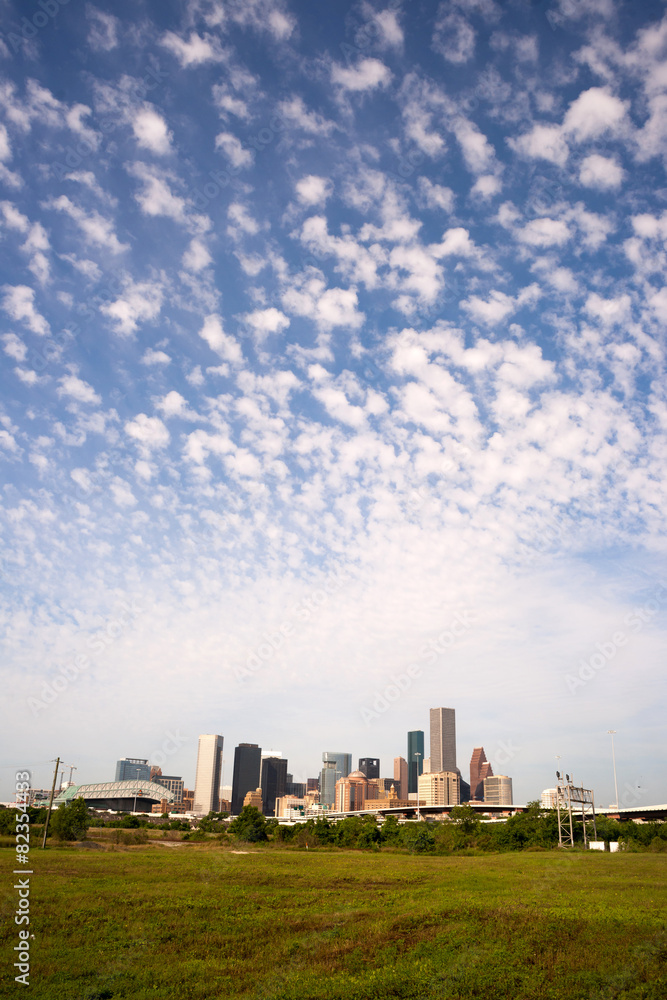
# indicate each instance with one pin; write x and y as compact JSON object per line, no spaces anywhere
{"x":203,"y":922}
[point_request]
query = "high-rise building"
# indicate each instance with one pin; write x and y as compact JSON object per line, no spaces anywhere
{"x":443,"y":739}
{"x":401,"y":777}
{"x":247,"y":768}
{"x":440,"y":788}
{"x":415,"y":758}
{"x":370,"y":766}
{"x":351,"y":792}
{"x":173,"y":783}
{"x":312,"y":784}
{"x":334,"y":767}
{"x":498,"y":790}
{"x":480,"y":768}
{"x":208,"y":775}
{"x":132,"y":769}
{"x":273,"y":781}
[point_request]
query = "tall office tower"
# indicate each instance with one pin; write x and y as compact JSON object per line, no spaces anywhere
{"x":498,"y":790}
{"x":401,"y":777}
{"x":415,"y":758}
{"x":480,"y":768}
{"x":370,"y":766}
{"x":209,"y":775}
{"x":247,"y":766}
{"x":443,"y":739}
{"x":312,"y":784}
{"x":274,"y":773}
{"x":127,"y":768}
{"x":334,"y":767}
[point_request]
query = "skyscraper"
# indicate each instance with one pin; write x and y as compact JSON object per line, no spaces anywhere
{"x":370,"y":766}
{"x":443,"y":739}
{"x":127,"y":768}
{"x":415,"y":758}
{"x":498,"y":790}
{"x":334,"y":767}
{"x":209,"y":775}
{"x":247,"y":764}
{"x":480,"y":768}
{"x":401,"y":777}
{"x":273,"y":781}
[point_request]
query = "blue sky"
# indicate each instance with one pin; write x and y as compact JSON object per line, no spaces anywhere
{"x":333,"y":343}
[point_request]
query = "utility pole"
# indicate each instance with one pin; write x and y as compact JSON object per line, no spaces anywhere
{"x":48,"y":815}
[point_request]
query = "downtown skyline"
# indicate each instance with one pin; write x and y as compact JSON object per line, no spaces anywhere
{"x":332,"y":382}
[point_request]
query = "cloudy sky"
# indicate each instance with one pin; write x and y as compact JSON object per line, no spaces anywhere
{"x":333,"y":383}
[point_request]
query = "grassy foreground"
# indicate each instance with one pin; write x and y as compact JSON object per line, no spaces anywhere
{"x":200,"y":922}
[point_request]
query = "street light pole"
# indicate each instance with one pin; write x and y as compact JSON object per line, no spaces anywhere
{"x":612,"y":733}
{"x":138,"y":770}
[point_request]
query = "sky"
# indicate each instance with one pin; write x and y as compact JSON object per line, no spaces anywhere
{"x":333,"y":384}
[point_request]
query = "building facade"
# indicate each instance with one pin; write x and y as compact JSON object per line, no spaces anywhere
{"x":401,"y":777}
{"x":132,"y":769}
{"x":273,"y":782}
{"x":352,"y":792}
{"x":208,"y":775}
{"x":174,"y":785}
{"x":480,"y":768}
{"x":443,"y":739}
{"x":440,"y":788}
{"x":498,"y":790}
{"x":247,"y":773}
{"x":334,"y":766}
{"x":370,"y":766}
{"x":415,"y":758}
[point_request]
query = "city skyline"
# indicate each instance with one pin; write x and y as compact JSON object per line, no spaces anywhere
{"x":333,"y":382}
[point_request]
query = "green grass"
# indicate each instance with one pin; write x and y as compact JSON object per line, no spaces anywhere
{"x":202,"y":922}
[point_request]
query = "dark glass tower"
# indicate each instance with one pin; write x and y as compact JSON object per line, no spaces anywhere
{"x":274,"y":779}
{"x":415,"y":758}
{"x":370,"y":766}
{"x":247,"y":763}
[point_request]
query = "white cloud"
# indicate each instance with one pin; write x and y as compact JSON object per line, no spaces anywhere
{"x":595,"y":112}
{"x":435,"y":195}
{"x":543,"y":142}
{"x":266,"y":321}
{"x":295,"y":112}
{"x":149,"y":432}
{"x":454,"y":37}
{"x":491,"y":311}
{"x":156,"y":198}
{"x":601,"y":172}
{"x":196,"y":257}
{"x":194,"y":52}
{"x":152,"y":357}
{"x":103,"y":30}
{"x":14,"y":347}
{"x":544,"y":233}
{"x":477,"y":150}
{"x":487,"y":186}
{"x":140,"y":302}
{"x":97,"y":230}
{"x":151,"y":132}
{"x":219,"y":341}
{"x":76,"y":388}
{"x":313,"y":190}
{"x":19,"y":303}
{"x":366,"y":75}
{"x":233,"y":150}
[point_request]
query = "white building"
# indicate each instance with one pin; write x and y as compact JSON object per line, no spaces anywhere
{"x":209,"y":774}
{"x":439,"y":788}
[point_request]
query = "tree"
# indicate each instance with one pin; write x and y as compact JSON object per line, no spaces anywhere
{"x":70,"y":820}
{"x":249,"y":825}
